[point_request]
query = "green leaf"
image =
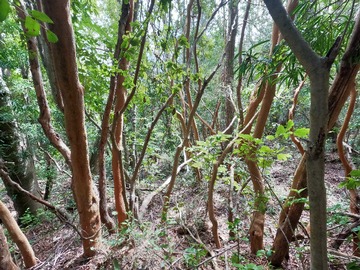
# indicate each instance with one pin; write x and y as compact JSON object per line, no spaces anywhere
{"x":283,"y":156}
{"x":197,"y":165}
{"x":350,"y":183}
{"x":41,"y":16}
{"x":4,"y":9}
{"x":289,"y":124}
{"x":184,"y":42}
{"x":246,"y":137}
{"x":280,"y":131}
{"x":51,"y":36}
{"x":265,"y":149}
{"x":298,"y":191}
{"x":302,"y":132}
{"x":222,"y":169}
{"x":355,"y":173}
{"x":135,"y":41}
{"x":32,"y":26}
{"x":165,"y":4}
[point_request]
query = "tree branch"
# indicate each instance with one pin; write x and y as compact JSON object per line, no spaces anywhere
{"x":302,"y":50}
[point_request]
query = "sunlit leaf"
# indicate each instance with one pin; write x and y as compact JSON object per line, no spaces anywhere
{"x":32,"y":26}
{"x":4,"y":9}
{"x":280,"y":131}
{"x":51,"y":36}
{"x":282,"y":156}
{"x":355,"y":173}
{"x":183,"y":41}
{"x":302,"y":132}
{"x":265,"y":149}
{"x":222,"y":169}
{"x":289,"y":124}
{"x":41,"y":16}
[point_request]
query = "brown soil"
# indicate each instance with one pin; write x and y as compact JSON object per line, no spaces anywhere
{"x":185,"y":240}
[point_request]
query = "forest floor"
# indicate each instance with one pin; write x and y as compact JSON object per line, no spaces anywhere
{"x":185,"y":240}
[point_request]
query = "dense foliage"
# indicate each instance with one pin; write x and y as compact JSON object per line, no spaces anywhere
{"x":169,"y":67}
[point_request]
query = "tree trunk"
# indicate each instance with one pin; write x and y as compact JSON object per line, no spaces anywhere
{"x":348,"y":167}
{"x":44,"y":50}
{"x":17,"y":236}
{"x":63,"y":55}
{"x":290,"y":215}
{"x":6,"y":262}
{"x":117,"y":127}
{"x":228,"y":71}
{"x":319,"y":85}
{"x":117,"y":166}
{"x":240,"y":76}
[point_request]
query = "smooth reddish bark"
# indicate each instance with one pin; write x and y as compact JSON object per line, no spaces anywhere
{"x":63,"y":54}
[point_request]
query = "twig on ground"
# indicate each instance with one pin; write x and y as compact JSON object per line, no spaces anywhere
{"x":216,"y":255}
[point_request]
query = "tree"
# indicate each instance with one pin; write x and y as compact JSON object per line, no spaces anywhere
{"x":162,"y":76}
{"x":117,"y":127}
{"x":63,"y":55}
{"x":228,"y":71}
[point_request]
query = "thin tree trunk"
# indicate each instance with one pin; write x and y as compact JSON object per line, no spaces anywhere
{"x":291,"y":117}
{"x":105,"y":217}
{"x":117,"y":126}
{"x":290,"y":215}
{"x":117,"y":166}
{"x":228,"y":82}
{"x":228,"y":71}
{"x":187,"y":59}
{"x":44,"y":49}
{"x":354,"y":197}
{"x":258,"y":220}
{"x":239,"y":83}
{"x":184,"y":142}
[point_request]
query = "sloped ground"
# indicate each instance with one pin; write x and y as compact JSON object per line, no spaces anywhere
{"x":185,"y":240}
